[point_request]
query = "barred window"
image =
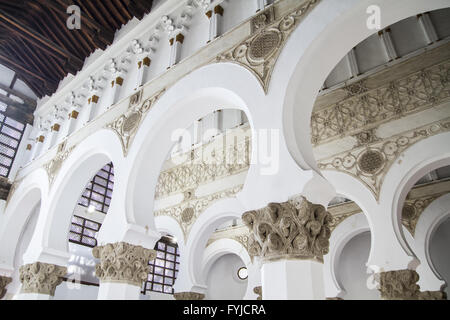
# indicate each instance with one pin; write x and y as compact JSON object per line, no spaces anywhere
{"x":164,"y":269}
{"x":99,"y":190}
{"x":11,"y":132}
{"x":83,"y":231}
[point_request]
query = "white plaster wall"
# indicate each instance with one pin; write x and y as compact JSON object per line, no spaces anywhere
{"x":439,"y":252}
{"x":223,"y":282}
{"x":236,"y":11}
{"x":351,"y":269}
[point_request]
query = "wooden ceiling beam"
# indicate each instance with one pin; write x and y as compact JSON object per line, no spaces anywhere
{"x":39,"y":40}
{"x":23,"y":69}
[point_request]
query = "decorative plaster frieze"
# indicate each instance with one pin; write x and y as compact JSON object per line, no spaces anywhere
{"x":207,"y":163}
{"x":364,"y":109}
{"x":259,"y":52}
{"x":123,"y":263}
{"x":370,"y":163}
{"x":53,"y":166}
{"x":296,"y":229}
{"x":4,"y":281}
{"x":337,"y":219}
{"x":127,"y":125}
{"x":42,"y":278}
{"x":187,"y":212}
{"x":188,"y":296}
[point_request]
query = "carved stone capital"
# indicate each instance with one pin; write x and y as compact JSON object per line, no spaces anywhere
{"x":432,"y":295}
{"x":41,"y":277}
{"x":399,"y":285}
{"x":296,"y":229}
{"x":258,"y":291}
{"x":4,"y":281}
{"x":188,"y":296}
{"x":123,"y":262}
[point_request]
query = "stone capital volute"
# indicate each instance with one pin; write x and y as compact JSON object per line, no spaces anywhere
{"x":402,"y":285}
{"x":42,"y":278}
{"x":123,"y":263}
{"x":188,"y":296}
{"x":296,"y":229}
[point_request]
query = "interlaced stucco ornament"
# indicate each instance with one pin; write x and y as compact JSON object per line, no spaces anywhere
{"x":413,"y":209}
{"x":4,"y":281}
{"x":337,"y":219}
{"x":363,"y":109}
{"x":127,"y":124}
{"x":370,"y":163}
{"x":123,"y":263}
{"x":41,"y":277}
{"x":260,"y":51}
{"x":188,"y":296}
{"x":294,"y":229}
{"x":53,"y":166}
{"x":187,"y":212}
{"x":201,"y":169}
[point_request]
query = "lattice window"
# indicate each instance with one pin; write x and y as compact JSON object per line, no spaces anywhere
{"x":11,"y":132}
{"x":164,"y":269}
{"x":83,"y":231}
{"x":99,"y":190}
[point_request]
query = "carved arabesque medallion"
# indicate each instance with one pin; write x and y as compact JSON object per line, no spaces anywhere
{"x":260,"y":51}
{"x":371,"y":163}
{"x":53,"y":166}
{"x":126,"y":125}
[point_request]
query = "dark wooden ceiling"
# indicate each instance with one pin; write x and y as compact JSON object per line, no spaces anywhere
{"x":36,"y":43}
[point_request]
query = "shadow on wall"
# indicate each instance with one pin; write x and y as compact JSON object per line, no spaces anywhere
{"x":223,"y":282}
{"x":351,"y":270}
{"x":439,"y":253}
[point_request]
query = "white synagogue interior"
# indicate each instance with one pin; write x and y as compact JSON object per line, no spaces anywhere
{"x":224,"y":149}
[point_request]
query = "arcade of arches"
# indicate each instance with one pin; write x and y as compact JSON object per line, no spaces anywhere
{"x":238,"y":149}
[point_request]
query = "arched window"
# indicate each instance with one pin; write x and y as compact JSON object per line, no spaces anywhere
{"x":164,"y":269}
{"x":98,"y":192}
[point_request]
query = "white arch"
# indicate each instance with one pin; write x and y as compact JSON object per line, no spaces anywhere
{"x":31,"y":190}
{"x":430,"y":219}
{"x":222,"y":247}
{"x":419,"y":159}
{"x":49,"y":243}
{"x":344,"y":232}
{"x":217,"y":214}
{"x":314,"y":49}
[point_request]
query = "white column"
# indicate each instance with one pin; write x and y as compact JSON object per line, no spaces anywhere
{"x":175,"y":44}
{"x":388,"y":45}
{"x":118,"y":291}
{"x":428,"y":28}
{"x":352,"y":63}
{"x":291,"y":248}
{"x":262,"y":4}
{"x":292,"y":280}
{"x":71,"y":122}
{"x":92,"y":107}
{"x":143,"y":65}
{"x":217,"y":21}
{"x":116,"y":88}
